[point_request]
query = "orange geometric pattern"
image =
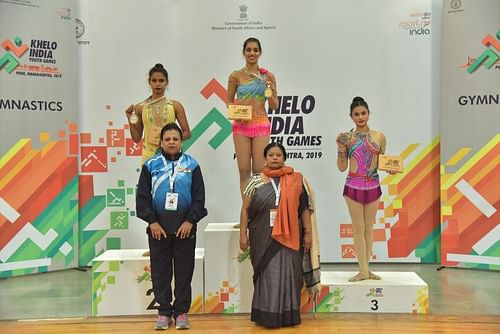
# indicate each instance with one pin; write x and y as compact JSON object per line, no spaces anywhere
{"x":416,"y":200}
{"x":27,"y":186}
{"x":464,"y":223}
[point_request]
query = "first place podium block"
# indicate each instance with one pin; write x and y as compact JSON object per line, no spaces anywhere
{"x":121,"y":283}
{"x":396,"y":292}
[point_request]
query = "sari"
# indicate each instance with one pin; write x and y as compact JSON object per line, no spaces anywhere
{"x":278,"y":274}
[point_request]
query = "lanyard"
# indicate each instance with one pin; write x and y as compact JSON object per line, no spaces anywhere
{"x":277,"y":192}
{"x":174,"y":173}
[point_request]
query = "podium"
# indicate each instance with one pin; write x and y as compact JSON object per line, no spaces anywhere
{"x":121,"y":283}
{"x":396,"y":292}
{"x":228,"y":283}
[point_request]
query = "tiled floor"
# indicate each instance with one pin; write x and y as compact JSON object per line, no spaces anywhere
{"x":68,"y":293}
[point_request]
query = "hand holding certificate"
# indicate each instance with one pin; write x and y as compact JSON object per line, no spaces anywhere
{"x":391,"y":164}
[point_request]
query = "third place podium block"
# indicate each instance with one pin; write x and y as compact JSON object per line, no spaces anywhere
{"x":396,"y":292}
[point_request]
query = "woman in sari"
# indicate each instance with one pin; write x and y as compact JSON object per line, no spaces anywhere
{"x":276,"y":221}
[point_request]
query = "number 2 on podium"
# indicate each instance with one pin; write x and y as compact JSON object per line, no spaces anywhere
{"x":152,"y":305}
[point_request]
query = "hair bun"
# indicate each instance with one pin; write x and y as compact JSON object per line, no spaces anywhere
{"x":358,"y":99}
{"x":158,"y":65}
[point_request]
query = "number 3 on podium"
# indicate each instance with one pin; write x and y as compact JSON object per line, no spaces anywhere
{"x":374,"y":305}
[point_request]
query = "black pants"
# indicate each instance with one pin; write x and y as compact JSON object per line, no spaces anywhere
{"x":172,"y":256}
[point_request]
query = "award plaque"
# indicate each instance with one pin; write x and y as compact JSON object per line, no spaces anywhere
{"x":239,"y":112}
{"x":390,"y":163}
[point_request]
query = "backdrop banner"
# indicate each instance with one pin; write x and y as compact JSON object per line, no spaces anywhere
{"x":323,"y":54}
{"x":38,"y":115}
{"x":470,"y":87}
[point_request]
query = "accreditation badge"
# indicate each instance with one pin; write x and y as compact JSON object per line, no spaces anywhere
{"x":171,"y":201}
{"x":154,"y":135}
{"x":272,"y":216}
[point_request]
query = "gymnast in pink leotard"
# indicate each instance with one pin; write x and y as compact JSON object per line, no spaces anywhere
{"x":359,"y":150}
{"x":252,"y":86}
{"x":362,"y":184}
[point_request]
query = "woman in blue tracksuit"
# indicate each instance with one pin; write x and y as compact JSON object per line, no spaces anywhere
{"x":171,"y":199}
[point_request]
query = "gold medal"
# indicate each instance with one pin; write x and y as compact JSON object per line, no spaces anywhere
{"x":268,"y":92}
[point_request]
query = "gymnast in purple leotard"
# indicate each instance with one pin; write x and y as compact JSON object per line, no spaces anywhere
{"x":359,"y":150}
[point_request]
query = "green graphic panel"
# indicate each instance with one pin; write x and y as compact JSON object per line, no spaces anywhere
{"x":60,"y":219}
{"x":88,"y":239}
{"x":429,"y":250}
{"x":213,"y":116}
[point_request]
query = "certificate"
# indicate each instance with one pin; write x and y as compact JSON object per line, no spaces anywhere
{"x":239,"y":112}
{"x":390,"y":163}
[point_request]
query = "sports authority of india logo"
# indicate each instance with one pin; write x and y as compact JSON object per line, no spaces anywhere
{"x":80,"y":32}
{"x":418,"y":23}
{"x":80,"y":28}
{"x":455,"y":4}
{"x":16,"y":49}
{"x":489,"y":57}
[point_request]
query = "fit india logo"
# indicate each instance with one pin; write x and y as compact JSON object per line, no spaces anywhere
{"x":14,"y":49}
{"x":488,"y":58}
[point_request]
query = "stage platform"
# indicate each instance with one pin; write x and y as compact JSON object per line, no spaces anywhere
{"x":396,"y":292}
{"x":121,"y":283}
